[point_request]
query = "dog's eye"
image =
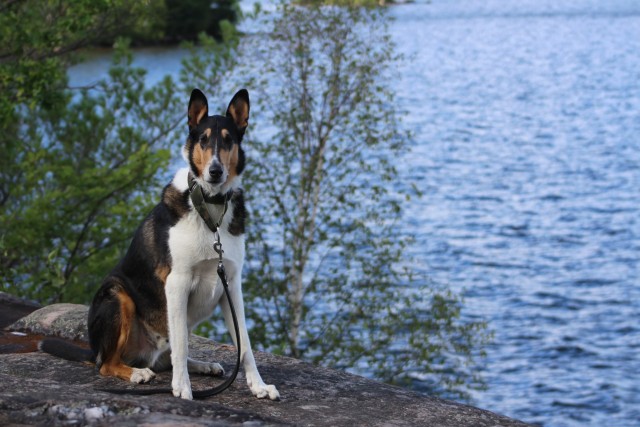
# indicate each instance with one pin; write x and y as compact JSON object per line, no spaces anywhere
{"x":203,"y":138}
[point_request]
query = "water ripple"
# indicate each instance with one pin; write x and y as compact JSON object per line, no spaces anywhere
{"x":527,"y":148}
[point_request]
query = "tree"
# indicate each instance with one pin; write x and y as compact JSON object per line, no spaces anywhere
{"x":328,"y":279}
{"x":187,"y":19}
{"x":52,"y":138}
{"x":81,"y":167}
{"x":36,"y":38}
{"x":84,"y":172}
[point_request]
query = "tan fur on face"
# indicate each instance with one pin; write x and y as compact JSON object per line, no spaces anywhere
{"x":201,"y":158}
{"x":229,"y":158}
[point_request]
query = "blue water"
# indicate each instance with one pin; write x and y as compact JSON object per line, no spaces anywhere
{"x":527,"y":145}
{"x":526,"y":121}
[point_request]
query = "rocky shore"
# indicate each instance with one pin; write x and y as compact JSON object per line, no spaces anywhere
{"x":39,"y":389}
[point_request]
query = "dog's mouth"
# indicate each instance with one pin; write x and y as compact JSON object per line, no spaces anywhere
{"x":215,"y":179}
{"x":211,"y":185}
{"x":214,"y":182}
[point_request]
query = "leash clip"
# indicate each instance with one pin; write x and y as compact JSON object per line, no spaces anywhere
{"x":217,"y":246}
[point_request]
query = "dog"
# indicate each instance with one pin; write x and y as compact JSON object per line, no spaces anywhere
{"x":140,"y":318}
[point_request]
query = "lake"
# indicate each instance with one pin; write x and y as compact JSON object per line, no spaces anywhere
{"x":526,"y":121}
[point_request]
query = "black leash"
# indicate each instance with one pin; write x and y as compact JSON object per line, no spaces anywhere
{"x":201,"y":394}
{"x":198,"y":201}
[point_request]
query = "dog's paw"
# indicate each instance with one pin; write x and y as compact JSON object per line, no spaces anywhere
{"x":205,"y":368}
{"x":214,"y":369}
{"x":182,"y":388}
{"x":262,"y":390}
{"x":184,"y":393}
{"x":140,"y":376}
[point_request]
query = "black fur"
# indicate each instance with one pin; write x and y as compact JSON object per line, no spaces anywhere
{"x":66,"y":350}
{"x":237,"y":224}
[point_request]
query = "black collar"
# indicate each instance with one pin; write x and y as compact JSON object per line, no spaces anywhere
{"x":200,"y":201}
{"x":218,"y":199}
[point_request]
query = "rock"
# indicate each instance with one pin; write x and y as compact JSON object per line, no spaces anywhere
{"x":37,"y":388}
{"x":63,"y":320}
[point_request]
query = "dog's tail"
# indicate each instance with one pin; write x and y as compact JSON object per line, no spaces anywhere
{"x":66,"y":350}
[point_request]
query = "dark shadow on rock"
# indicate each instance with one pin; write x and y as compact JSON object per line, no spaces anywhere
{"x":14,"y":308}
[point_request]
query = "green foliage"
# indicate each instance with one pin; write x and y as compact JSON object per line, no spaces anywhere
{"x":327,"y":277}
{"x":80,"y":168}
{"x":37,"y":36}
{"x":187,"y":19}
{"x":82,"y":176}
{"x":69,"y":158}
{"x":209,"y":63}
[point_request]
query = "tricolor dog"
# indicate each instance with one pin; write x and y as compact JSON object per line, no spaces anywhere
{"x":141,"y":317}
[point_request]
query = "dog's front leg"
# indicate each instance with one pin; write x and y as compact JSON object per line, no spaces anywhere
{"x":254,"y":380}
{"x":177,"y":293}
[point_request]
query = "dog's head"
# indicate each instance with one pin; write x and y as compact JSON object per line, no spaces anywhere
{"x":213,"y":148}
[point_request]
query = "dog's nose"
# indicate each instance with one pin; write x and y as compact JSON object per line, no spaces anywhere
{"x":215,"y":171}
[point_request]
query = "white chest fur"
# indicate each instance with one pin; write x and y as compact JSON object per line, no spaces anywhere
{"x":194,"y":260}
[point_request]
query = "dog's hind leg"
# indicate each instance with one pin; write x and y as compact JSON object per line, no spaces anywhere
{"x":112,"y":324}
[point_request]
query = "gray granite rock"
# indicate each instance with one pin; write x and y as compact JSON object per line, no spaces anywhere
{"x":63,"y":320}
{"x":38,"y":389}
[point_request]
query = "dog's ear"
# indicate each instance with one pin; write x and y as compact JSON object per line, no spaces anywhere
{"x":198,"y":108}
{"x":238,"y":110}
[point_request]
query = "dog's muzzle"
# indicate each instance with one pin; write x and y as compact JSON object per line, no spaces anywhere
{"x":215,"y":173}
